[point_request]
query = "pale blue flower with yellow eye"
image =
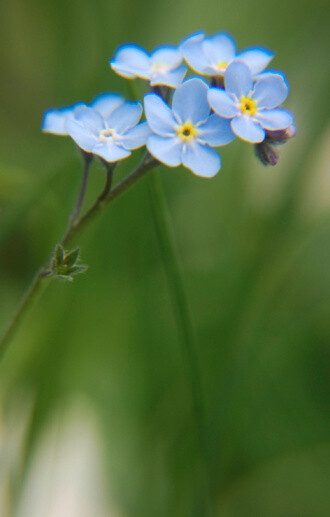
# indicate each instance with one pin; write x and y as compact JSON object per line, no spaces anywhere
{"x":164,"y":66}
{"x":187,"y":132}
{"x":111,"y":137}
{"x":251,"y":107}
{"x":54,"y":120}
{"x":211,"y":55}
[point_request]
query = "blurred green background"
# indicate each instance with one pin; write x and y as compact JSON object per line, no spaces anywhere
{"x":96,"y":415}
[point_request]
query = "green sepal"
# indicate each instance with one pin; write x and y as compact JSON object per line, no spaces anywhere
{"x":65,"y":278}
{"x":59,"y":254}
{"x":76,"y":270}
{"x":71,"y":258}
{"x":64,"y":264}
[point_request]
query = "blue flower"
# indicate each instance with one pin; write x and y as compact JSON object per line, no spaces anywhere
{"x":210,"y":55}
{"x":54,"y":120}
{"x":187,"y":132}
{"x":110,"y":137}
{"x":163,"y":67}
{"x":252,"y":108}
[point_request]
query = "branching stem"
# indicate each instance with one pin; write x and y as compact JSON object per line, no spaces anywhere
{"x":76,"y":224}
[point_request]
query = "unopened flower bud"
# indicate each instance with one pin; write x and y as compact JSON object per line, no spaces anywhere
{"x":281,"y":136}
{"x":266,"y":153}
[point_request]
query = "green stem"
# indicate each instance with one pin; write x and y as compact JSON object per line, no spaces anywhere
{"x":145,"y":165}
{"x":107,"y":197}
{"x":182,"y":314}
{"x":87,"y":158}
{"x":33,"y":291}
{"x":109,"y":168}
{"x":108,"y":182}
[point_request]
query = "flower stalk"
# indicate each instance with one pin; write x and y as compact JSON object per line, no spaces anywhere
{"x":76,"y":225}
{"x":87,"y":159}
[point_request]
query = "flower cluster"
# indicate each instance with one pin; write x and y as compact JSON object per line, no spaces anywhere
{"x":228,"y":94}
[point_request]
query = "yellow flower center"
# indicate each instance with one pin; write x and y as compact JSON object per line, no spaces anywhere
{"x":221,"y":66}
{"x":186,"y":131}
{"x":106,"y":134}
{"x":248,"y":106}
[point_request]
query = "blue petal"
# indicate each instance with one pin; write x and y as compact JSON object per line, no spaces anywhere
{"x":216,"y":131}
{"x":159,"y":116}
{"x":131,"y":61}
{"x":111,"y":152}
{"x":89,"y":118}
{"x":190,"y":101}
{"x":248,"y":130}
{"x":166,"y":150}
{"x":54,"y":120}
{"x":193,"y":53}
{"x":125,"y":117}
{"x":167,"y":55}
{"x":270,"y":90}
{"x":238,"y":79}
{"x":106,"y":103}
{"x":220,"y":47}
{"x":275,"y":119}
{"x":222,"y":103}
{"x":195,"y":36}
{"x":84,"y":137}
{"x":172,"y":79}
{"x":256,"y":59}
{"x":136,"y":137}
{"x":202,"y":160}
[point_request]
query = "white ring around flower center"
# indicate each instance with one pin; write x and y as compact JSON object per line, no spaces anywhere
{"x":160,"y":68}
{"x":108,"y":134}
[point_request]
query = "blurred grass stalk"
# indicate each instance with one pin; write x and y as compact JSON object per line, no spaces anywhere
{"x":181,"y":310}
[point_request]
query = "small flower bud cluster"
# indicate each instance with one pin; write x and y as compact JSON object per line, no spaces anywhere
{"x":230,"y":94}
{"x":65,"y":264}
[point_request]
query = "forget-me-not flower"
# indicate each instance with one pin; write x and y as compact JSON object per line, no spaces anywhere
{"x":188,"y":132}
{"x":211,"y":55}
{"x":110,"y":137}
{"x":54,"y":120}
{"x":164,"y":66}
{"x":251,"y":107}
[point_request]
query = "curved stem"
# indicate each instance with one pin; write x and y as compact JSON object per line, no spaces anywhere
{"x":182,"y":314}
{"x":107,"y":196}
{"x":144,"y":166}
{"x":29,"y":296}
{"x":108,"y":182}
{"x":87,"y":158}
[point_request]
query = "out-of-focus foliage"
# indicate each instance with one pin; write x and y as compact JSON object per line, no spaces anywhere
{"x":95,"y":399}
